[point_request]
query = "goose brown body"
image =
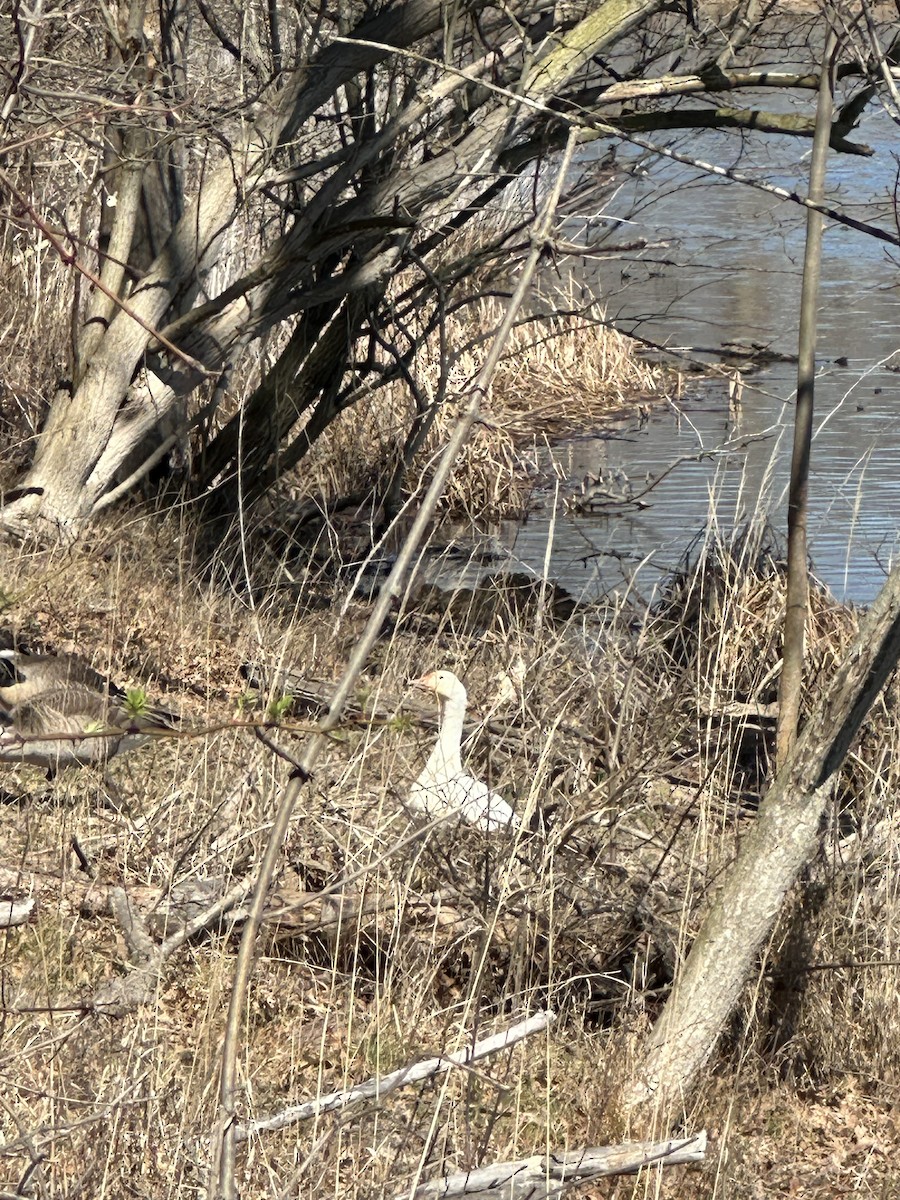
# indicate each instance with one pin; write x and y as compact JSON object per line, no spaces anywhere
{"x":46,"y":701}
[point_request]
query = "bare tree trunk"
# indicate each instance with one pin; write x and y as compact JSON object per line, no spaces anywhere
{"x":80,"y":426}
{"x":790,"y":685}
{"x":63,"y":486}
{"x":122,"y":185}
{"x":101,"y":308}
{"x":772,"y":855}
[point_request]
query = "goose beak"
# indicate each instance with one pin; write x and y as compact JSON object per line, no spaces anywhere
{"x":424,"y":684}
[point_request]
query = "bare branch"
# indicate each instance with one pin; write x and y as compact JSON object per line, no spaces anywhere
{"x":381,"y":1086}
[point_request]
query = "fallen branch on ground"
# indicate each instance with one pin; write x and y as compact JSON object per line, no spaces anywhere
{"x":548,"y":1175}
{"x":378,"y":1087}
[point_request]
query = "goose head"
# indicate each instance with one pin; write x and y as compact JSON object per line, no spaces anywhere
{"x":442,"y":684}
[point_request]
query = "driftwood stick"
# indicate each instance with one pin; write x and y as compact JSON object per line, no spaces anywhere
{"x":378,"y":1087}
{"x":547,"y":1175}
{"x":16,"y":911}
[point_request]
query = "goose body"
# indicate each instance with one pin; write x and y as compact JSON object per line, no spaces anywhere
{"x":63,"y":696}
{"x":443,"y":786}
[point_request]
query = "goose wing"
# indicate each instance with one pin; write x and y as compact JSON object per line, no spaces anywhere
{"x":71,"y":680}
{"x":24,"y":676}
{"x":482,"y":807}
{"x":471,"y":799}
{"x":44,"y":730}
{"x":61,"y":710}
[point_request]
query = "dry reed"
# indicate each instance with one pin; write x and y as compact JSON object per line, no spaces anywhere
{"x":634,"y":773}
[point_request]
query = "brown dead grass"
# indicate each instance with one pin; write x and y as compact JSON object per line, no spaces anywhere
{"x":558,"y":376}
{"x":639,"y":790}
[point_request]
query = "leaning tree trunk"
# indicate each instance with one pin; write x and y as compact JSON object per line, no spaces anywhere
{"x":90,"y":434}
{"x":790,"y":684}
{"x":62,"y":486}
{"x":781,"y":842}
{"x":158,"y":348}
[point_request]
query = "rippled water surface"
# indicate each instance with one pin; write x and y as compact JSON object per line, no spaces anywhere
{"x":736,"y":276}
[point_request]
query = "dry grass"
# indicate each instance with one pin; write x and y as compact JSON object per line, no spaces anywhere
{"x":634,"y":789}
{"x":559,"y":375}
{"x":35,"y":298}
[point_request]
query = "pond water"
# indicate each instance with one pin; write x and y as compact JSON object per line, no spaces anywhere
{"x":726,"y":266}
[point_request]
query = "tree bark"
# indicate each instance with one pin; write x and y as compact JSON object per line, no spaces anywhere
{"x":774,"y":852}
{"x":790,"y":684}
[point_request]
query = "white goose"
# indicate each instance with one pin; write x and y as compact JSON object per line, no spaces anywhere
{"x":443,"y":787}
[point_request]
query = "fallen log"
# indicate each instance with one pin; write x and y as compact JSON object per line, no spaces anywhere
{"x":549,"y":1175}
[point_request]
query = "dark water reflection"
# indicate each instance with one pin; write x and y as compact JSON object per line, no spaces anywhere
{"x":737,"y":276}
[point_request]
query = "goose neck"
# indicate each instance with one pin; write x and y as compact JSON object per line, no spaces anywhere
{"x":453,"y":715}
{"x":446,"y":754}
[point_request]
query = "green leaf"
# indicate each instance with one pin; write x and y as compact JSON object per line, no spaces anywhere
{"x":247,"y":701}
{"x":136,"y":702}
{"x":278,"y":709}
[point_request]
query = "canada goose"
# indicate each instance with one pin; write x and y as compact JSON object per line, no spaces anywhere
{"x":443,"y":787}
{"x":42,"y":694}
